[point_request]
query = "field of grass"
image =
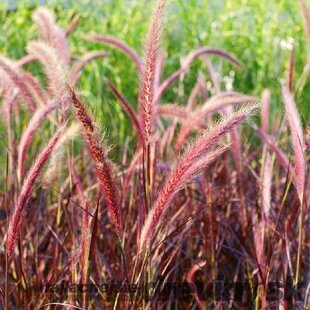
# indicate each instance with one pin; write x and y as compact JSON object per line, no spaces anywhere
{"x":259,"y":33}
{"x":105,"y":178}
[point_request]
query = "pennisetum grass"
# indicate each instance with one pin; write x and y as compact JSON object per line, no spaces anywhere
{"x":195,"y":157}
{"x":198,"y":118}
{"x":19,"y":210}
{"x":37,"y":119}
{"x":53,"y":168}
{"x":13,"y":73}
{"x":35,"y":88}
{"x":238,"y":216}
{"x":173,"y":110}
{"x":151,"y":54}
{"x":55,"y":68}
{"x":51,"y":33}
{"x":105,"y":168}
{"x":185,"y":169}
{"x":294,"y":122}
{"x":146,"y":95}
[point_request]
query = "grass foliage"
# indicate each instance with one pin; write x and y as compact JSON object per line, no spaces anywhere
{"x":159,"y":143}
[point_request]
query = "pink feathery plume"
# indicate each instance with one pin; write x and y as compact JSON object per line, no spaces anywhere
{"x":105,"y":168}
{"x":51,"y":33}
{"x":121,"y":46}
{"x":283,"y":161}
{"x":53,"y":67}
{"x":227,"y":110}
{"x":19,"y":211}
{"x":294,"y":122}
{"x":16,"y":78}
{"x":183,"y":173}
{"x":146,"y":103}
{"x":159,"y":69}
{"x":37,"y":119}
{"x":260,"y":225}
{"x":235,"y":142}
{"x":35,"y":87}
{"x":173,"y":110}
{"x":213,"y":104}
{"x":223,"y":99}
{"x":195,"y":157}
{"x":148,"y":75}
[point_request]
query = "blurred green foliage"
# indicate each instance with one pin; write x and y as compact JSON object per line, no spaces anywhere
{"x":259,"y":32}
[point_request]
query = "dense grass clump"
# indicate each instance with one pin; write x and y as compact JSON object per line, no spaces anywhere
{"x":206,"y":185}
